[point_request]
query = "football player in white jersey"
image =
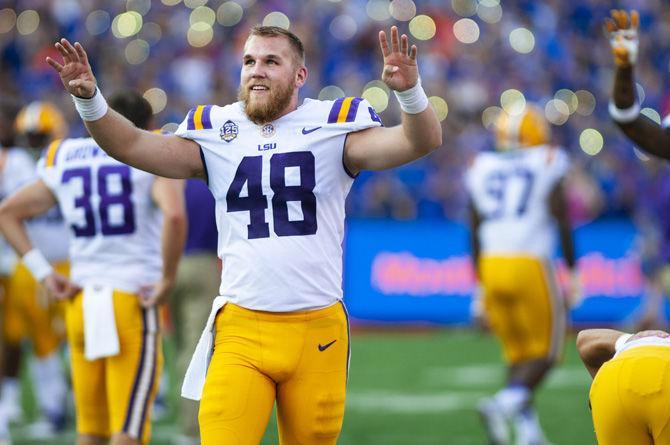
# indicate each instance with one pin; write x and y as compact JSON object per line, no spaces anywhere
{"x":128,"y":229}
{"x":516,"y":205}
{"x":279,"y":172}
{"x":29,"y":317}
{"x":631,"y":384}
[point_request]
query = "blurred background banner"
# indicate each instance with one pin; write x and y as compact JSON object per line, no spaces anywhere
{"x":421,"y":272}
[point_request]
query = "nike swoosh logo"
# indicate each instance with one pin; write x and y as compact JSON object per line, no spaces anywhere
{"x":311,"y":130}
{"x":326,"y":346}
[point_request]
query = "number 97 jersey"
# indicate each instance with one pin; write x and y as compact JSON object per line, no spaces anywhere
{"x":280,"y":190}
{"x":108,"y":206}
{"x":510,"y":191}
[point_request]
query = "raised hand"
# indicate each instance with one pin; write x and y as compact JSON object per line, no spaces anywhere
{"x":75,"y":72}
{"x":622,"y":30}
{"x":400,"y":71}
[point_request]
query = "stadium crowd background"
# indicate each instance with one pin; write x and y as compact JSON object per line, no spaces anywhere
{"x":475,"y":56}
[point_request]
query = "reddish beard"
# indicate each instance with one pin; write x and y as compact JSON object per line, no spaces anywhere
{"x":262,"y":111}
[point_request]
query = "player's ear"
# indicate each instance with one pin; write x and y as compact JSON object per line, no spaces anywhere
{"x":301,"y":76}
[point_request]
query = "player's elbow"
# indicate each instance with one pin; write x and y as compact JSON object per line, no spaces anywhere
{"x":433,"y":139}
{"x":591,"y":348}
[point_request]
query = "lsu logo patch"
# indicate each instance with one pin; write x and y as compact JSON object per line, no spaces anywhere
{"x":229,"y":131}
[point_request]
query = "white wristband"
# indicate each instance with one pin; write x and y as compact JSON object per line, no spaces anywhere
{"x":623,"y":338}
{"x":626,"y":115}
{"x":37,"y":264}
{"x":93,"y":108}
{"x":414,"y":100}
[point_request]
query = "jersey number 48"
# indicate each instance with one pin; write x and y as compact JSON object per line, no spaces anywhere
{"x":249,"y":172}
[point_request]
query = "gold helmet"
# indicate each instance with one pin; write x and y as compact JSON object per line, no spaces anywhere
{"x":526,"y":129}
{"x":43,"y":119}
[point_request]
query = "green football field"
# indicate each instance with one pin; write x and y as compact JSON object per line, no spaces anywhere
{"x":420,"y":388}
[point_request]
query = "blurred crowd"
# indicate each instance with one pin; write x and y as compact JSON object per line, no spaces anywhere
{"x":570,"y":52}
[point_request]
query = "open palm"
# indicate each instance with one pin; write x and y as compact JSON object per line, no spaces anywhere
{"x":75,"y":72}
{"x":400,"y":70}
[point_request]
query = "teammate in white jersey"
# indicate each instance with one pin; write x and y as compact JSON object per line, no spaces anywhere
{"x":517,"y":203}
{"x":128,"y":229}
{"x":30,"y":319}
{"x":279,"y":173}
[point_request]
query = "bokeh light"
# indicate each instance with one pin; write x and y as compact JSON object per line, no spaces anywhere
{"x":522,"y":40}
{"x":157,"y":98}
{"x":403,"y":10}
{"x":343,"y":27}
{"x":641,"y":94}
{"x":331,"y":92}
{"x":199,"y":35}
{"x":139,"y":6}
{"x":97,"y":22}
{"x":194,"y":3}
{"x":126,"y":24}
{"x":277,"y":18}
{"x":569,"y":98}
{"x":170,"y":127}
{"x":587,"y":102}
{"x":464,"y":8}
{"x":378,"y":98}
{"x":513,"y":102}
{"x":7,"y":20}
{"x":137,"y":51}
{"x":440,"y":106}
{"x":642,"y":156}
{"x":489,"y":13}
{"x":202,"y":14}
{"x":171,"y":2}
{"x":591,"y":141}
{"x":557,"y":112}
{"x":490,"y":115}
{"x":379,"y":10}
{"x":229,"y":14}
{"x":422,"y":27}
{"x":27,"y":22}
{"x":151,"y":32}
{"x":652,"y":114}
{"x":466,"y":31}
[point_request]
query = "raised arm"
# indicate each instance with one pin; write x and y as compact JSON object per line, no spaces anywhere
{"x":623,"y":31}
{"x":420,"y":132}
{"x":168,"y":156}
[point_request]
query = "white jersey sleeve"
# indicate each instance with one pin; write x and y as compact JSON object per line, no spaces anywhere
{"x":280,"y":190}
{"x":108,"y":207}
{"x":510,"y":192}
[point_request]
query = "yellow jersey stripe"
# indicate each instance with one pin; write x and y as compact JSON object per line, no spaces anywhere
{"x":52,"y":150}
{"x":344,"y":111}
{"x":197,"y":117}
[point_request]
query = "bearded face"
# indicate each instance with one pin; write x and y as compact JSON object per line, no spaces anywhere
{"x":270,"y":78}
{"x":265,"y":100}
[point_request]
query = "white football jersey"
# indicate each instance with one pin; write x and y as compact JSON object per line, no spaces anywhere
{"x":115,"y":225}
{"x":510,"y":191}
{"x":280,"y":190}
{"x":18,"y":170}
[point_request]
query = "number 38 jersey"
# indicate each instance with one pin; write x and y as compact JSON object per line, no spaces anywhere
{"x":108,"y":207}
{"x":280,"y":190}
{"x":510,"y":191}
